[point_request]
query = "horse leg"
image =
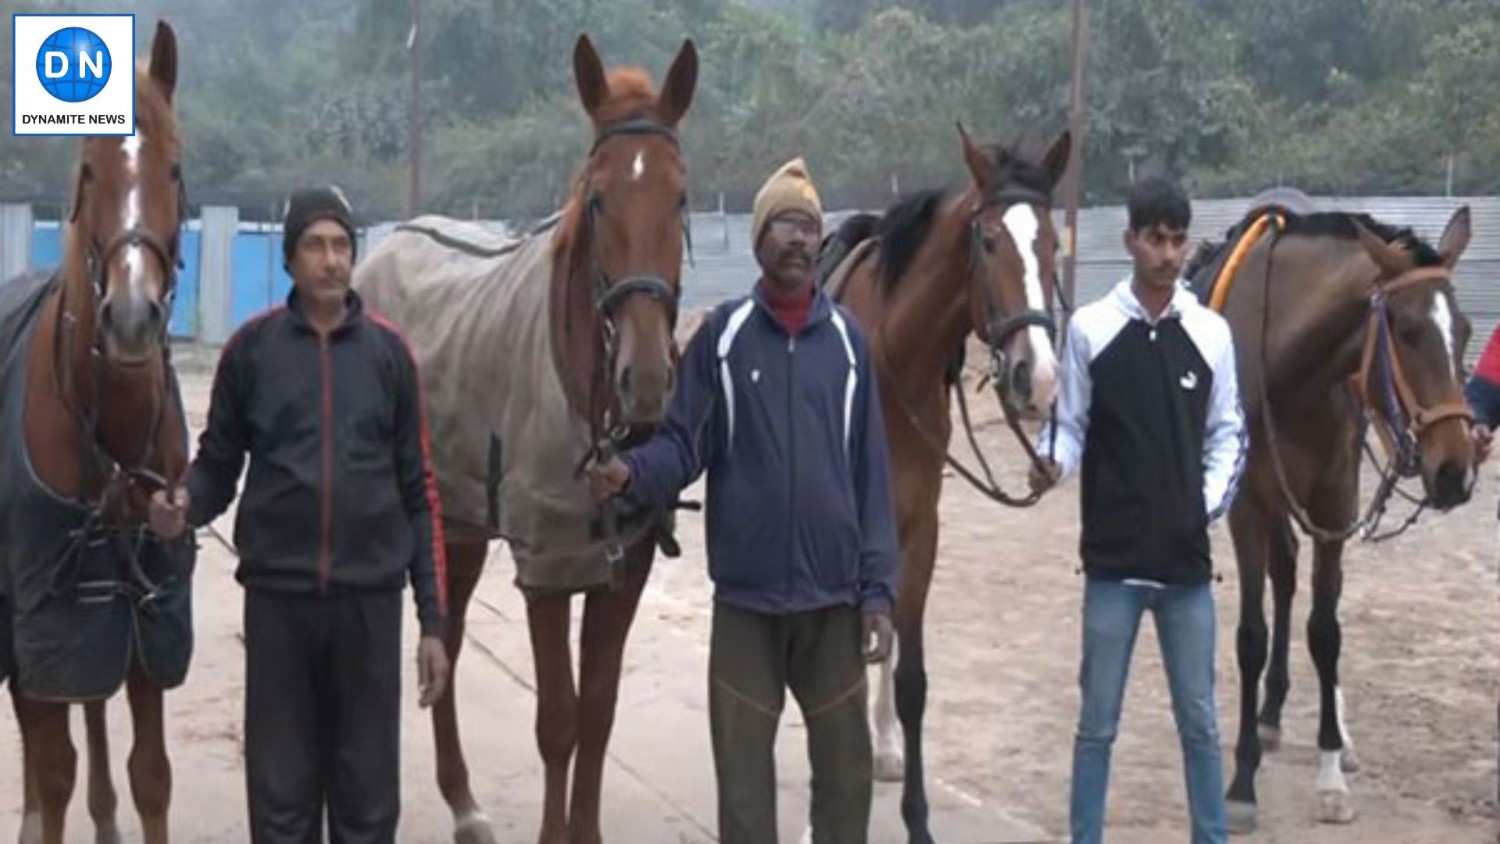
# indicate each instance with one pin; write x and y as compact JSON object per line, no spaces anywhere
{"x":31,"y":801}
{"x":607,"y":617}
{"x":911,"y":674}
{"x":1282,"y":565}
{"x":1251,"y":531}
{"x":150,"y":769}
{"x":470,"y":826}
{"x":556,"y":706}
{"x":889,"y":764}
{"x":44,"y":731}
{"x":102,"y":798}
{"x":1324,"y":639}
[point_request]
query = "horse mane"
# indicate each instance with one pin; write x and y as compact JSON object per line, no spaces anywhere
{"x":902,"y":231}
{"x":631,"y":95}
{"x":906,"y":225}
{"x":1334,"y":224}
{"x":1340,"y":224}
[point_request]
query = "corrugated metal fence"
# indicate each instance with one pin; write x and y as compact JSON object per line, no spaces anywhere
{"x":234,"y":269}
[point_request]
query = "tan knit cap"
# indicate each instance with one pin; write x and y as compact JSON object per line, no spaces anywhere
{"x":788,"y":189}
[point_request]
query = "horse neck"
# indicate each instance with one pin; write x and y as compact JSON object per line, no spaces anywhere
{"x":927,"y":313}
{"x":1319,"y":302}
{"x":576,"y":338}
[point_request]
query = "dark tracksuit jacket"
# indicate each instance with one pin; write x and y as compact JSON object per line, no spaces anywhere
{"x":338,"y":512}
{"x":1149,"y":413}
{"x":789,"y":429}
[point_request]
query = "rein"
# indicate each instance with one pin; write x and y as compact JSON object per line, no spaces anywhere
{"x":998,"y":330}
{"x":1382,"y":390}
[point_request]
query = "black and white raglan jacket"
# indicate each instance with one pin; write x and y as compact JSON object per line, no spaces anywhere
{"x":1149,"y":413}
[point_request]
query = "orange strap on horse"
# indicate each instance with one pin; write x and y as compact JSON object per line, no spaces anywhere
{"x":1231,"y":269}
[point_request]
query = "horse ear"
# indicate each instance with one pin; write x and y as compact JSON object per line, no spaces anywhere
{"x":1392,"y":260}
{"x":1056,"y":162}
{"x":980,"y":165}
{"x":164,"y":59}
{"x":588,"y":71}
{"x":1455,"y":237}
{"x":682,"y":78}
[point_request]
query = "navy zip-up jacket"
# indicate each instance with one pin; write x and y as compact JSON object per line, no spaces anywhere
{"x":340,"y":495}
{"x":789,"y":430}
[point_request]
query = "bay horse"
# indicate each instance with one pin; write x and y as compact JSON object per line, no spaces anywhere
{"x":102,"y":427}
{"x":1337,"y":319}
{"x":539,"y":355}
{"x":938,"y":268}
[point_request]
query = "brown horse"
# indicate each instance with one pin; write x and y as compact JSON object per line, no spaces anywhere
{"x":538,"y":355}
{"x":1320,"y":299}
{"x":103,"y":425}
{"x":939,"y":268}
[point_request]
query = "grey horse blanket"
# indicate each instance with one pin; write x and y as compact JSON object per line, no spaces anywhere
{"x":474,"y":309}
{"x":73,"y":612}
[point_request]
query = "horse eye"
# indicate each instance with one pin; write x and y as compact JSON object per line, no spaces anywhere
{"x":177,"y":172}
{"x":989,"y":243}
{"x":1411,"y":334}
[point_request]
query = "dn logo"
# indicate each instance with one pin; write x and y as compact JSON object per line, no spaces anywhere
{"x":73,"y":64}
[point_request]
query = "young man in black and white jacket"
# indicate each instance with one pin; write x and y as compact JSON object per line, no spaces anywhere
{"x":1149,"y":414}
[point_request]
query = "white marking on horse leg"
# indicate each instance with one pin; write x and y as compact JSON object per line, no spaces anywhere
{"x":1021,"y":221}
{"x":1349,"y":761}
{"x":1334,"y":802}
{"x":890,"y":766}
{"x":1331,"y":772}
{"x":638,"y":167}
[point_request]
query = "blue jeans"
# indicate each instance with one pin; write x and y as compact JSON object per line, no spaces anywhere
{"x":1185,"y":626}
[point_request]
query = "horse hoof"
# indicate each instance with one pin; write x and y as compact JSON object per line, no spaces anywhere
{"x":1335,"y":807}
{"x":1241,"y":817}
{"x":1270,"y":738}
{"x":889,"y":766}
{"x":474,"y":829}
{"x":31,"y":829}
{"x":1349,"y":761}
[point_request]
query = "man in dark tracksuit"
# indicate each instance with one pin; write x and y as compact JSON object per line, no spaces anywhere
{"x":339,"y":510}
{"x":777,"y":403}
{"x":1148,"y":412}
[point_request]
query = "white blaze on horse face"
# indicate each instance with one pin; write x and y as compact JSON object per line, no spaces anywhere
{"x":1021,"y":221}
{"x":638,"y":167}
{"x":1442,"y":317}
{"x":131,"y":213}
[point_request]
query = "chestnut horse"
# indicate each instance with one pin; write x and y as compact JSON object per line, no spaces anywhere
{"x":538,"y":355}
{"x":939,"y":268}
{"x":103,"y":427}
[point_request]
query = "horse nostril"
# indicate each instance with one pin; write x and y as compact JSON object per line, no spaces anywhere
{"x":1020,"y":378}
{"x":625,"y":380}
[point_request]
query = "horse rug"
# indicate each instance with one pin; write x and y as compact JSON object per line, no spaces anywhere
{"x":505,"y":441}
{"x":78,"y":600}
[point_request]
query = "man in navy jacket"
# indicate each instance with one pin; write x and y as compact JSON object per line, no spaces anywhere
{"x":778,"y":404}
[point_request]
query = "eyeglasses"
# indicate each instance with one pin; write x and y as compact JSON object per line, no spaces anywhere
{"x":795,"y":224}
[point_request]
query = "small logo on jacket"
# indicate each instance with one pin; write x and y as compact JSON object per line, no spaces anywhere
{"x":1189,"y":381}
{"x":755,"y":376}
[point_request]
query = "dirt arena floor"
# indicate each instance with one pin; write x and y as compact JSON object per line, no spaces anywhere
{"x":1420,"y":665}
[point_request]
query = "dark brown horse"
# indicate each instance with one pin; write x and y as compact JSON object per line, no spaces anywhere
{"x":941,"y":267}
{"x":534,"y":354}
{"x":103,"y":423}
{"x":1322,"y":299}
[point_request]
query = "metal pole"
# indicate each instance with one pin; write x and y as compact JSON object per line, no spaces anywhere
{"x":1073,"y":183}
{"x":414,"y":139}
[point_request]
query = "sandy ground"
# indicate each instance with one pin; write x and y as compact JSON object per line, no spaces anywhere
{"x":1420,"y":666}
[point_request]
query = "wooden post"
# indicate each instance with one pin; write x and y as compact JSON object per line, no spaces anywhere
{"x":1073,"y":183}
{"x":414,"y":130}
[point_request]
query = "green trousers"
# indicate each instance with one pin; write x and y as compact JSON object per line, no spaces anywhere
{"x":753,"y":659}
